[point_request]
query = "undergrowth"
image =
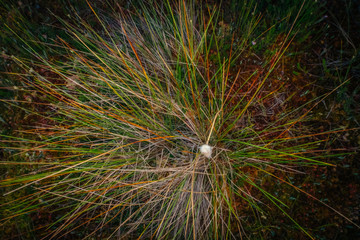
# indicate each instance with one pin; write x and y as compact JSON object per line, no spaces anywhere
{"x":121,"y":107}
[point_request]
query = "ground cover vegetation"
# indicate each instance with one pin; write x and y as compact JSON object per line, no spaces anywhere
{"x":178,"y":119}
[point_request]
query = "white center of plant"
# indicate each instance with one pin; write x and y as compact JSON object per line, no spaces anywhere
{"x":206,"y":150}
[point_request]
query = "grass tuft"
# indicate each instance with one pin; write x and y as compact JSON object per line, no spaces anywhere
{"x":150,"y":125}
